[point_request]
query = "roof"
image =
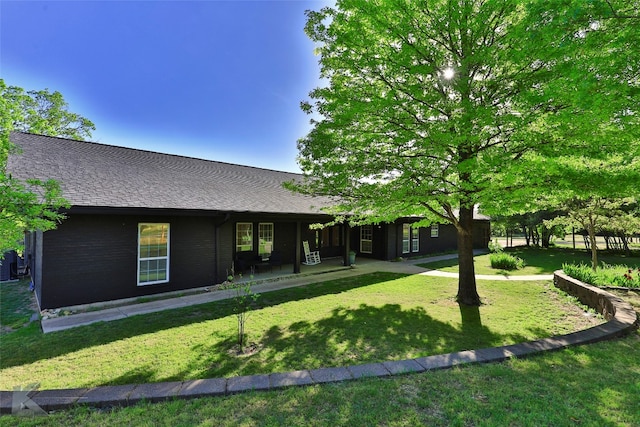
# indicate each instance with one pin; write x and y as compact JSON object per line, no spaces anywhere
{"x":100,"y":175}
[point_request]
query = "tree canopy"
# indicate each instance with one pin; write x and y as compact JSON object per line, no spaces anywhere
{"x":34,"y":204}
{"x":434,"y":107}
{"x":616,"y":217}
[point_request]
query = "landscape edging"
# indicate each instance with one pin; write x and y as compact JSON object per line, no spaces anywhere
{"x":620,"y":315}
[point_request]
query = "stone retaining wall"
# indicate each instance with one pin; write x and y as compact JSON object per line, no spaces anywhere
{"x":621,"y":317}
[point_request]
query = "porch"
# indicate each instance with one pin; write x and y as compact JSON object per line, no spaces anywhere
{"x":266,"y":273}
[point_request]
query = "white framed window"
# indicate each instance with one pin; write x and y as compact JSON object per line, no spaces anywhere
{"x":435,"y":230}
{"x":244,"y":236}
{"x":406,"y":238}
{"x":265,"y":239}
{"x":366,"y":239}
{"x":153,"y":253}
{"x":415,"y":240}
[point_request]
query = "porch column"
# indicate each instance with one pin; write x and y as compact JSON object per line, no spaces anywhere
{"x":298,"y":259}
{"x":346,"y":230}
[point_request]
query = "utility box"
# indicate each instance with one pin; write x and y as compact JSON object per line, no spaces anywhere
{"x":9,"y":267}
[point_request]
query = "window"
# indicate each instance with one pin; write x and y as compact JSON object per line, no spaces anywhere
{"x":325,"y":240}
{"x":265,"y":239}
{"x":153,"y":253}
{"x":366,"y":239}
{"x":410,"y":239}
{"x":406,"y":236}
{"x":335,"y":235}
{"x":415,"y":240}
{"x":331,"y":236}
{"x":435,"y":230}
{"x":244,"y":236}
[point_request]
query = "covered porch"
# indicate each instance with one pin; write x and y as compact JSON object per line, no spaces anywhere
{"x":265,"y":273}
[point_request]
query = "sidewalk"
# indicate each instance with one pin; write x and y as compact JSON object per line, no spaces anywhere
{"x":363,"y":266}
{"x":202,"y":297}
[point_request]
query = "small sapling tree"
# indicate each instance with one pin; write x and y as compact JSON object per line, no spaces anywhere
{"x":244,"y":300}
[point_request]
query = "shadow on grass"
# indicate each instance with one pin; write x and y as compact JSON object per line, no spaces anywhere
{"x":29,"y":344}
{"x":365,"y":334}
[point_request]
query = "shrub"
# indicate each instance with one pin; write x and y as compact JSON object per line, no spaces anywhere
{"x":607,"y":275}
{"x":502,"y":261}
{"x":494,"y":246}
{"x":582,"y":272}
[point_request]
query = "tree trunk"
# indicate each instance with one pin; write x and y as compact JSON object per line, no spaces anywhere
{"x":467,"y":291}
{"x":525,"y":231}
{"x":594,"y":249}
{"x":625,"y":243}
{"x":546,"y":237}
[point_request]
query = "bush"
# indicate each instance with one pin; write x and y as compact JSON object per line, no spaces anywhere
{"x":582,"y":272}
{"x":607,"y":275}
{"x":503,"y":261}
{"x":494,"y":247}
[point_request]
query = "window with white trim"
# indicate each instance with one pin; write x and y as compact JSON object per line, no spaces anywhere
{"x":244,"y":236}
{"x":415,"y":240}
{"x":406,"y":238}
{"x":435,"y":230}
{"x":265,"y":239}
{"x":153,"y":253}
{"x":366,"y":239}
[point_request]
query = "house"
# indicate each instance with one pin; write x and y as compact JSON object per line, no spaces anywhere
{"x":142,"y":223}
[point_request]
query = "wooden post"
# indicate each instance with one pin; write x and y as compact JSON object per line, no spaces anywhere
{"x":298,"y":259}
{"x":347,"y":244}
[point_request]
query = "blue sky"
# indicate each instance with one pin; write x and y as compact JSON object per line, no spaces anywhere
{"x":220,"y":80}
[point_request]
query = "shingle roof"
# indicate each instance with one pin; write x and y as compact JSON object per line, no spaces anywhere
{"x":99,"y":175}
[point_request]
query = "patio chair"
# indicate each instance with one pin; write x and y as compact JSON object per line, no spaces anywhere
{"x":275,"y":259}
{"x":246,"y":261}
{"x":312,"y":258}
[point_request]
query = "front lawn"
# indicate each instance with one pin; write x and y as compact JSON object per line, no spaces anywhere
{"x":590,"y":386}
{"x":362,"y":319}
{"x":537,"y":261}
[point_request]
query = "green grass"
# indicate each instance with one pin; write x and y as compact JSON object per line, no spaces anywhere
{"x":537,"y":261}
{"x":594,"y":385}
{"x":16,"y":305}
{"x":591,"y":385}
{"x":362,"y":319}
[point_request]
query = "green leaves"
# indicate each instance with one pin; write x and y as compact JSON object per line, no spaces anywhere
{"x":34,"y":204}
{"x":537,"y":90}
{"x":542,"y":105}
{"x":26,"y":207}
{"x":41,"y":112}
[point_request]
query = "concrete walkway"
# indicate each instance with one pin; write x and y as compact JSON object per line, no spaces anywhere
{"x":204,"y":295}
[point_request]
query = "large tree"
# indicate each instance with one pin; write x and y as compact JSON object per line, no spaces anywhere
{"x":432,"y":108}
{"x":34,"y":204}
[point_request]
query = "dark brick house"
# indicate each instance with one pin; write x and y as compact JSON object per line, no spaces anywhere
{"x":142,"y":222}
